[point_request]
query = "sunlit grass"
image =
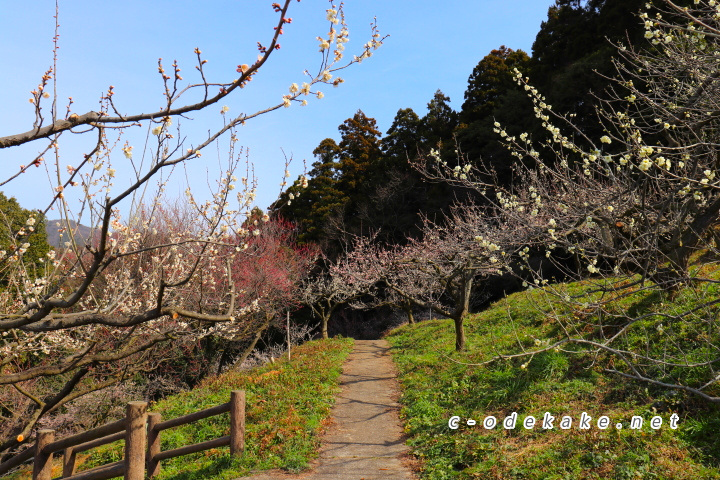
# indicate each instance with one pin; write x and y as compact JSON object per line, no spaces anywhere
{"x":287,"y":404}
{"x":437,"y":383}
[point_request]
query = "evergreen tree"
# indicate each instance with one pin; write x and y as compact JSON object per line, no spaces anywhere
{"x":489,"y":81}
{"x":439,"y":123}
{"x":334,"y":202}
{"x":573,"y":52}
{"x":403,"y":140}
{"x":327,"y":154}
{"x":491,"y":96}
{"x":359,"y":152}
{"x":23,"y":231}
{"x":399,"y":192}
{"x":310,"y":207}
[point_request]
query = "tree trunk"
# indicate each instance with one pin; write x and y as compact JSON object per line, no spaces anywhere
{"x":462,"y":307}
{"x":325,"y":321}
{"x":408,"y":309}
{"x":679,"y":252}
{"x":459,"y":334}
{"x":250,"y":348}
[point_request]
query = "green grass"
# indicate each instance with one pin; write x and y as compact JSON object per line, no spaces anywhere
{"x":287,"y":404}
{"x":437,"y":383}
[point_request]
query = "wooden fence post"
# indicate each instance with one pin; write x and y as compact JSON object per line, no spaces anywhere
{"x":68,"y":462}
{"x":42,"y":466}
{"x":153,"y":466}
{"x":288,"y":333}
{"x":237,"y":422}
{"x":135,"y":436}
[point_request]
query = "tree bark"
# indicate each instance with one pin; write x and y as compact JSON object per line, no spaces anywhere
{"x":463,"y":308}
{"x":325,"y":321}
{"x":679,"y":254}
{"x":459,"y":334}
{"x":250,"y":348}
{"x":408,"y":309}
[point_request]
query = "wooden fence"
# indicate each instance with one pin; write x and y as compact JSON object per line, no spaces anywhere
{"x":142,"y":434}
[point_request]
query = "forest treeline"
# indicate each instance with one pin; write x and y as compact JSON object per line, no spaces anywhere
{"x":366,"y":182}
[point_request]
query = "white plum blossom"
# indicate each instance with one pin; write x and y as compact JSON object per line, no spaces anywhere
{"x":645,"y":165}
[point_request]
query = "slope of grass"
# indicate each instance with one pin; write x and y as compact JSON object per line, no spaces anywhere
{"x":437,"y":383}
{"x":287,"y":404}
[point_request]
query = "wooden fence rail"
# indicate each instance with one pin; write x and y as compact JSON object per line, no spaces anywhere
{"x":142,"y":434}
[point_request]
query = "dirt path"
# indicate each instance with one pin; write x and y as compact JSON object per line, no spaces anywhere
{"x":366,"y":441}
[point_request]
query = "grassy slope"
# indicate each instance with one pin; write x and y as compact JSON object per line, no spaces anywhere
{"x":287,"y":403}
{"x":563,"y":383}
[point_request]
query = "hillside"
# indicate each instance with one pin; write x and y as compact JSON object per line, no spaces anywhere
{"x":55,"y":228}
{"x":282,"y":424}
{"x":438,"y":383}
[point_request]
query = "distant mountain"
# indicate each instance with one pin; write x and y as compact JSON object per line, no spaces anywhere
{"x":55,"y":227}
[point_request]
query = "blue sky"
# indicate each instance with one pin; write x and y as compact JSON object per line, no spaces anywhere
{"x":432,"y":45}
